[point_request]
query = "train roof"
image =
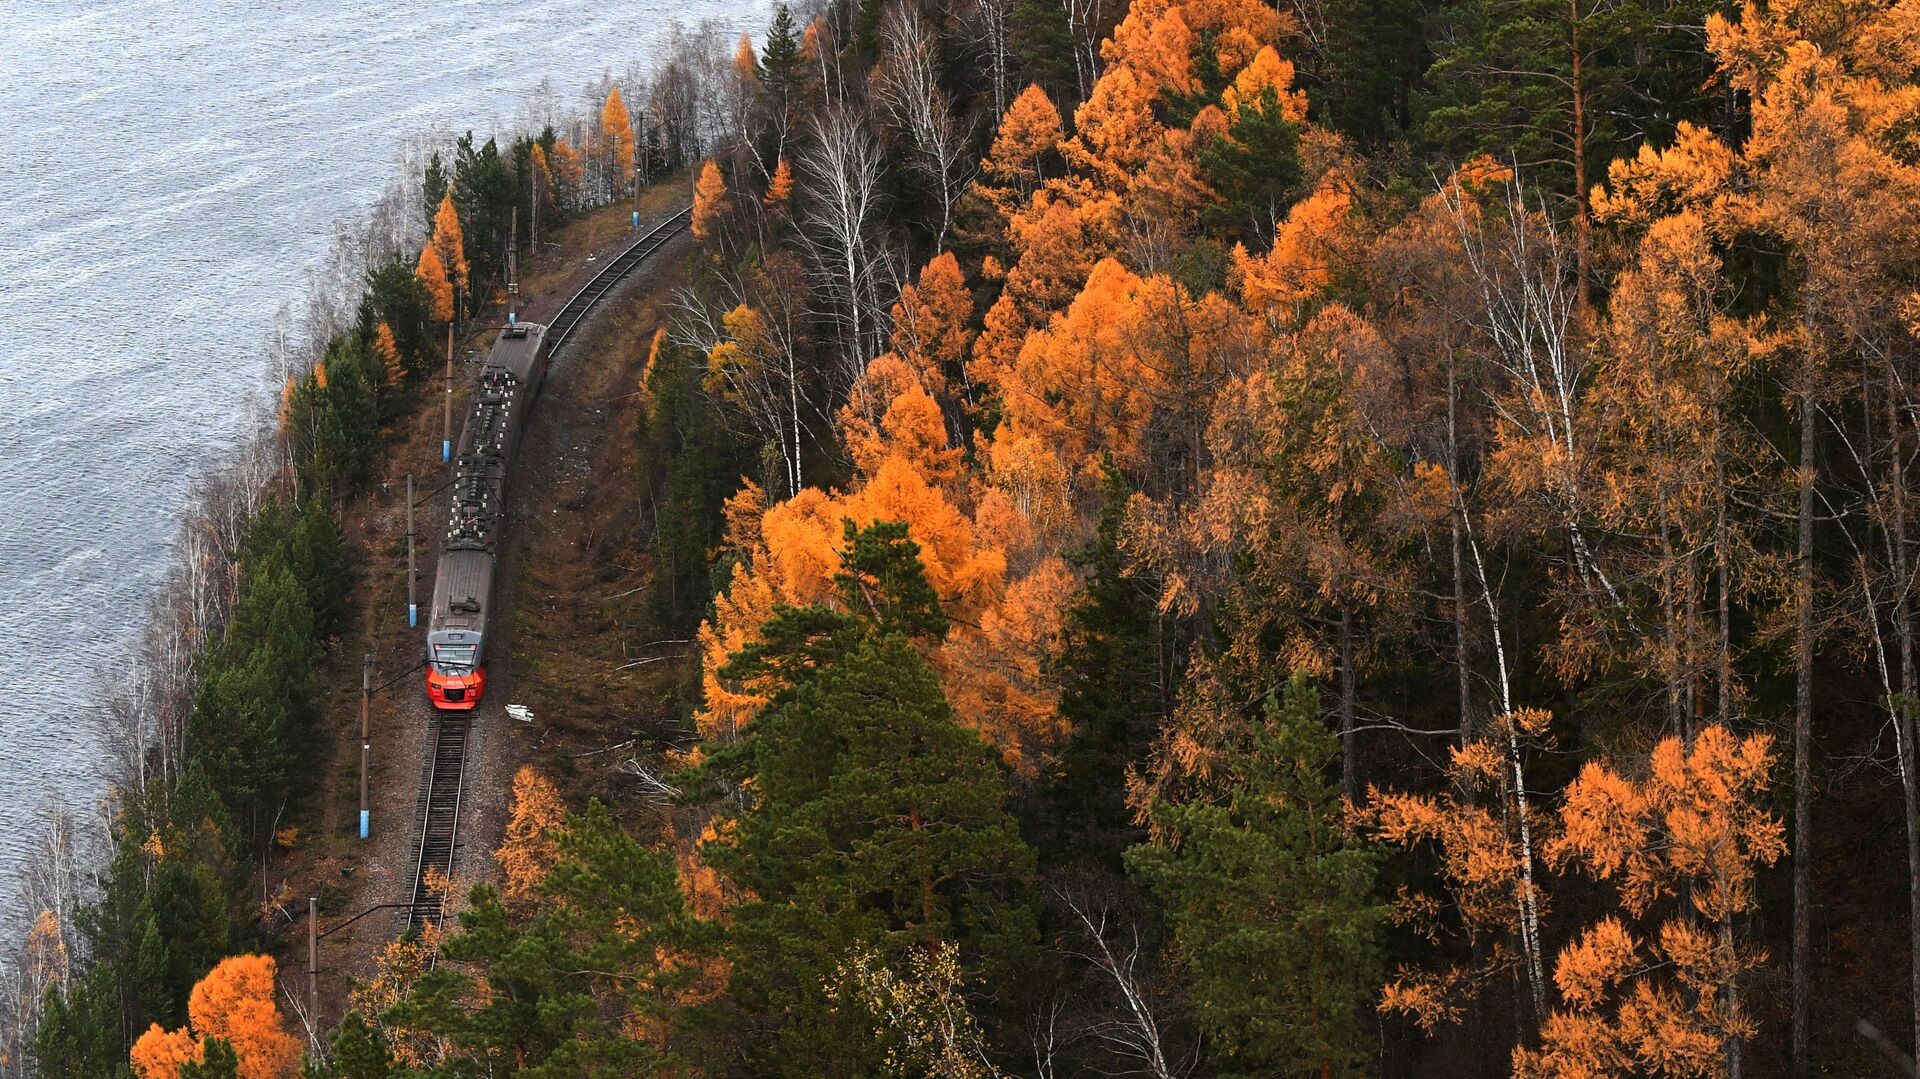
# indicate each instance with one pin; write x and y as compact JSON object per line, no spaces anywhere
{"x":516,"y":347}
{"x":462,"y":590}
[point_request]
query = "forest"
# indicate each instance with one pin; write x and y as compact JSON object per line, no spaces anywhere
{"x":1347,"y":538}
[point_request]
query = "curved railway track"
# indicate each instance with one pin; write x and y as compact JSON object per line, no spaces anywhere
{"x":560,"y":330}
{"x":443,"y":777}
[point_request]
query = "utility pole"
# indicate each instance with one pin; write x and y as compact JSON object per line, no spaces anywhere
{"x":534,"y":231}
{"x":413,"y":576}
{"x":366,"y":741}
{"x":513,"y":276}
{"x":446,"y":418}
{"x":636,"y":181}
{"x":313,"y":968}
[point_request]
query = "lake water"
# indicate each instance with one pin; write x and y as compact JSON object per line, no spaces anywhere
{"x":170,"y":172}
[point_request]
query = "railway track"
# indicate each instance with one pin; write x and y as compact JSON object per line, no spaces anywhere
{"x":439,"y":808}
{"x":560,"y":330}
{"x":444,"y":776}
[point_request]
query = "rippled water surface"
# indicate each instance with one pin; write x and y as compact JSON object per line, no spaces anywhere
{"x":169,"y":173}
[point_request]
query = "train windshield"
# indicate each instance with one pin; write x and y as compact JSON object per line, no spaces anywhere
{"x":457,"y":656}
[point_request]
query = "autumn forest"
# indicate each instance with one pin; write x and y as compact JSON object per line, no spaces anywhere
{"x":1360,"y":537}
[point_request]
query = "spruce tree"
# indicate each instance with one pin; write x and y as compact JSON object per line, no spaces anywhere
{"x":1271,"y":903}
{"x":396,"y":296}
{"x":693,"y":461}
{"x":1111,"y":694}
{"x":1376,"y":56}
{"x":217,"y":1061}
{"x":780,"y":59}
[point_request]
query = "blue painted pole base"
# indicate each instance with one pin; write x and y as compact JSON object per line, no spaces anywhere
{"x":446,"y":451}
{"x":363,"y":824}
{"x":413,"y":615}
{"x":636,"y":219}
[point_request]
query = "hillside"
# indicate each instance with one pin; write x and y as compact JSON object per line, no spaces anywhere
{"x":1173,"y":539}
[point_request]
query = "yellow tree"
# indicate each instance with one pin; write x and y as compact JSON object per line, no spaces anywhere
{"x":932,"y":325}
{"x":235,"y":1004}
{"x":1680,"y":846}
{"x":616,"y":131}
{"x":530,"y":848}
{"x":780,"y":189}
{"x":433,"y":276}
{"x":746,"y":66}
{"x":1059,"y":240}
{"x":1492,"y":900}
{"x":448,"y":242}
{"x":388,"y":354}
{"x":709,"y":202}
{"x":568,"y":171}
{"x":1015,"y":165}
{"x":1316,"y":241}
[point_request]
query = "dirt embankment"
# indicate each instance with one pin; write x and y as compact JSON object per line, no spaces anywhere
{"x":570,"y":591}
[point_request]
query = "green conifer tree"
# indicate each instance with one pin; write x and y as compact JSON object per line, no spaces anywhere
{"x":609,"y":946}
{"x":358,"y":1052}
{"x":872,"y":819}
{"x":1271,"y":903}
{"x":217,"y":1061}
{"x":1112,"y":694}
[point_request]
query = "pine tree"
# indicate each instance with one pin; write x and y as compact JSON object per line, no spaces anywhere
{"x":1255,"y":166}
{"x":1271,"y":901}
{"x":873,"y":820}
{"x":486,"y":191}
{"x":218,"y":1060}
{"x":433,"y":186}
{"x":1376,"y":56}
{"x":358,"y":1052}
{"x":588,"y":986}
{"x":694,"y":461}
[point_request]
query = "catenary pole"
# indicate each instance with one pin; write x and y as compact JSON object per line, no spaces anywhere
{"x":313,"y":967}
{"x":413,"y":576}
{"x":366,"y":740}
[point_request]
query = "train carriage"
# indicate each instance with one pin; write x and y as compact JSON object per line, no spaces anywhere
{"x":458,"y":630}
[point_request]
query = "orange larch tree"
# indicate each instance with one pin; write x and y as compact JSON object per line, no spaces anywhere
{"x":1681,"y":846}
{"x":449,"y":243}
{"x":616,"y":134}
{"x":388,"y":354}
{"x":709,"y":202}
{"x":433,"y":276}
{"x":1493,"y":903}
{"x":780,"y":189}
{"x":235,"y":1004}
{"x":529,"y":849}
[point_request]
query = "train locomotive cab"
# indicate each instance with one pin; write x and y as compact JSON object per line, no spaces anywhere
{"x":456,"y":677}
{"x":456,"y":636}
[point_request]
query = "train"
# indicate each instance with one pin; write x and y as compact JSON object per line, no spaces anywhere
{"x":463,"y":583}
